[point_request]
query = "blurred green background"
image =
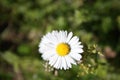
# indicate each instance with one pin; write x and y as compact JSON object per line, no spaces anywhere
{"x":24,"y":22}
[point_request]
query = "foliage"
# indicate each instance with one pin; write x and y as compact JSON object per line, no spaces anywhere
{"x":24,"y":22}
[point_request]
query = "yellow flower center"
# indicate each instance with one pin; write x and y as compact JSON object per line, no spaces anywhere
{"x":63,"y":49}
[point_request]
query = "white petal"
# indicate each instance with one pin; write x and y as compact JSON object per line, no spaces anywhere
{"x":49,"y":38}
{"x":71,"y":60}
{"x":76,"y":44}
{"x":53,"y":59}
{"x":58,"y":63}
{"x":47,"y":48}
{"x":55,"y":39}
{"x":75,"y":56}
{"x":76,"y":50}
{"x":69,"y":36}
{"x":64,"y":63}
{"x":68,"y":62}
{"x":56,"y":36}
{"x":47,"y":55}
{"x":62,"y":36}
{"x":74,"y":40}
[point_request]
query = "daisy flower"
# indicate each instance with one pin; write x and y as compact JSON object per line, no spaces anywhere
{"x":61,"y":49}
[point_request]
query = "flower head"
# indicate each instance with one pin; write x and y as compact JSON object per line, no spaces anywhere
{"x":61,"y":49}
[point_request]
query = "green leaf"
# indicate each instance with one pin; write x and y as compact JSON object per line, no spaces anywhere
{"x":10,"y":57}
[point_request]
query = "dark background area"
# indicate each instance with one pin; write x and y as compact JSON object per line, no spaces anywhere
{"x":24,"y":22}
